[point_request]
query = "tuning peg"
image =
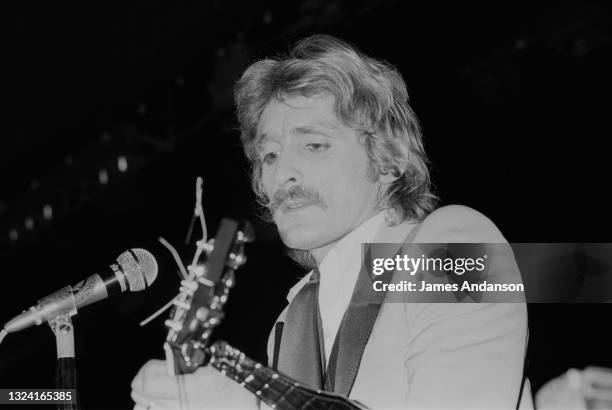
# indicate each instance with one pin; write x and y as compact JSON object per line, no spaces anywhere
{"x":215,"y":303}
{"x":172,"y":324}
{"x":236,"y":260}
{"x":207,"y":246}
{"x":241,"y":259}
{"x":247,"y":233}
{"x":206,"y":334}
{"x":188,"y":287}
{"x":197,"y":270}
{"x":202,"y":313}
{"x":229,"y":279}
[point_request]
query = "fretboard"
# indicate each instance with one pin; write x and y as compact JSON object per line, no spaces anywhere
{"x":275,"y":389}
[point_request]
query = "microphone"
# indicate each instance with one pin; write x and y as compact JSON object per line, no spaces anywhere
{"x":135,"y":270}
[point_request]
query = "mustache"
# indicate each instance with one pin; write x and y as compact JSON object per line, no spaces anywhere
{"x":296,"y":192}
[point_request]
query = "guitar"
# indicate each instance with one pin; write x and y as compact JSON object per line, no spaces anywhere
{"x":199,"y":309}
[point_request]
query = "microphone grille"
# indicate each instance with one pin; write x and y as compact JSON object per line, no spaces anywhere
{"x":139,"y":267}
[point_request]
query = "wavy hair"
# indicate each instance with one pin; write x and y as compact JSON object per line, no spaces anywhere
{"x":370,"y":96}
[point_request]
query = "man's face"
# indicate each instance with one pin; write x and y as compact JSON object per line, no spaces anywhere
{"x":315,"y":172}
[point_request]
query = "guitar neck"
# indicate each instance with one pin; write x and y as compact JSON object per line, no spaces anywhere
{"x":275,"y":389}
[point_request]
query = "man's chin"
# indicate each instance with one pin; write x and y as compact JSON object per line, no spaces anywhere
{"x":299,"y":230}
{"x":295,"y":241}
{"x":299,"y":237}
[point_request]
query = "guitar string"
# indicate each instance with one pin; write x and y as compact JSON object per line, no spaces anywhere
{"x":175,"y":255}
{"x":182,"y":390}
{"x":199,"y":211}
{"x":279,"y":387}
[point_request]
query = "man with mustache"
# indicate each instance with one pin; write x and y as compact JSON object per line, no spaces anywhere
{"x":338,"y":160}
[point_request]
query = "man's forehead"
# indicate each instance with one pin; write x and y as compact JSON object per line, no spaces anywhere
{"x":298,"y":114}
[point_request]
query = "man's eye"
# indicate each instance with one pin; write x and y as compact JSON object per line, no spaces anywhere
{"x":270,"y":157}
{"x":316,"y":147}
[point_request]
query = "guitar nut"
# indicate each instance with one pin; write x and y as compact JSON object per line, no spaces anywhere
{"x":182,"y":305}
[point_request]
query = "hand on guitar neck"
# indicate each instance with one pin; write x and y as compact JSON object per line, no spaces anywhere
{"x":180,"y":383}
{"x":232,"y":380}
{"x":154,"y":389}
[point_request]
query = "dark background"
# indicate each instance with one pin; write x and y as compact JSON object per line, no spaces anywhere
{"x":514,"y":100}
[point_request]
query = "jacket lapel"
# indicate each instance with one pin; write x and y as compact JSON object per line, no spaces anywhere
{"x":361,"y":315}
{"x":299,"y":353}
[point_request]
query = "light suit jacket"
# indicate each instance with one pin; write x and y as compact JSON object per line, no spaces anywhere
{"x":440,"y":355}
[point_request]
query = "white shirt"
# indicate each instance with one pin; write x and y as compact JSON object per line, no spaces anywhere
{"x":339,"y":271}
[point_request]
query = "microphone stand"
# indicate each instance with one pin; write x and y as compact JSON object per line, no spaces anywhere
{"x":66,"y":373}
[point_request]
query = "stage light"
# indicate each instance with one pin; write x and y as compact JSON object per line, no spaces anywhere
{"x":13,"y":235}
{"x":47,"y":212}
{"x":29,"y":223}
{"x":103,"y":176}
{"x":122,"y":163}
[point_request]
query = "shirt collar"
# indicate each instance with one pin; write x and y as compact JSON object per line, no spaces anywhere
{"x":347,"y":249}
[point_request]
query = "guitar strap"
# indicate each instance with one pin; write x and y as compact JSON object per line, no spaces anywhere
{"x":321,"y":350}
{"x":278,"y":334}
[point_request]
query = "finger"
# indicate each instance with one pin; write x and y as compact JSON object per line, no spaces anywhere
{"x":153,"y":403}
{"x":573,"y":379}
{"x":599,"y":379}
{"x":159,"y":405}
{"x":597,"y":386}
{"x":143,"y":402}
{"x":150,"y":370}
{"x":561,"y":393}
{"x":165,"y":387}
{"x":137,"y":380}
{"x":159,"y":388}
{"x":602,"y":373}
{"x":595,"y":404}
{"x":155,"y":367}
{"x":140,"y":399}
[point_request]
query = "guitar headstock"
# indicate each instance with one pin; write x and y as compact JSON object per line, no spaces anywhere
{"x":198,"y":308}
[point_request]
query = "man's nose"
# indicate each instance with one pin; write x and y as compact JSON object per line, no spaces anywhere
{"x":287,"y":169}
